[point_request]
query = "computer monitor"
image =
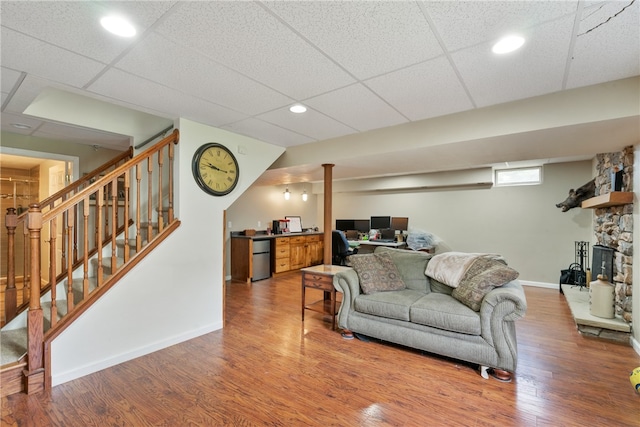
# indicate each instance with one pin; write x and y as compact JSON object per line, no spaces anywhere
{"x":400,"y":223}
{"x":345,"y":224}
{"x":362,"y":225}
{"x":380,"y":222}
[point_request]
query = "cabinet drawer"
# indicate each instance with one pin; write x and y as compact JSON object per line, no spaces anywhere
{"x":296,"y":240}
{"x":318,"y":281}
{"x":314,"y":238}
{"x":282,"y":264}
{"x":283,"y":252}
{"x":282,"y":241}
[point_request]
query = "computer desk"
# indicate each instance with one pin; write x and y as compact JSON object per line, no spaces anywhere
{"x":368,"y":246}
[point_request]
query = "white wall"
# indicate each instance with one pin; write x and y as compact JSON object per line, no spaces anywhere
{"x":176,"y":293}
{"x":521,"y":223}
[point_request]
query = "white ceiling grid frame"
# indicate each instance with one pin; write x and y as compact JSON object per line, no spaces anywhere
{"x":382,"y":36}
{"x":245,"y":37}
{"x":268,"y":132}
{"x":615,"y":43}
{"x":357,"y":107}
{"x":169,"y":102}
{"x":51,"y":62}
{"x":534,"y":69}
{"x":71,"y":25}
{"x":312,"y":123}
{"x":422,"y":91}
{"x":184,"y":72}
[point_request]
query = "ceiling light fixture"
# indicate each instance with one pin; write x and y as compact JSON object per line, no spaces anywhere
{"x":118,"y":26}
{"x":298,"y":108}
{"x":305,"y":196}
{"x":20,"y":126}
{"x":287,"y":194}
{"x":508,"y":44}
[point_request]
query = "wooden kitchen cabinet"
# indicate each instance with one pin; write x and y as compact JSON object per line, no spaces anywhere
{"x":282,"y":255}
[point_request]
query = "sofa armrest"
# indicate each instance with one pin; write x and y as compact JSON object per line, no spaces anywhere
{"x":500,"y":309}
{"x":348,"y":283}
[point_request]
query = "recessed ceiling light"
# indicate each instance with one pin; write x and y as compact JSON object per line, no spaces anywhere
{"x":508,"y":44}
{"x":298,"y":108}
{"x":20,"y":126}
{"x":118,"y":26}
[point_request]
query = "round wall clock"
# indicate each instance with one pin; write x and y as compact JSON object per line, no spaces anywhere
{"x":215,"y":169}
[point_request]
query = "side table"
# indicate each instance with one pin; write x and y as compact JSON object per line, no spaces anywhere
{"x":321,"y":277}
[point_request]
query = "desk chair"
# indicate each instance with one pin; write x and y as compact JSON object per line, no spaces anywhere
{"x":340,"y":248}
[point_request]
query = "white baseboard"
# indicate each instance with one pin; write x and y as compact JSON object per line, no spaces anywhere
{"x":63,"y":377}
{"x":540,"y":284}
{"x":635,"y":344}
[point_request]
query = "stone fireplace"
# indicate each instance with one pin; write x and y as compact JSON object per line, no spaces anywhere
{"x":613,"y":225}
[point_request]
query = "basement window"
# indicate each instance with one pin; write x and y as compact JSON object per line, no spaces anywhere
{"x":519,"y":176}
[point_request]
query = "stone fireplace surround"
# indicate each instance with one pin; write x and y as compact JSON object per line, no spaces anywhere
{"x":613,"y":226}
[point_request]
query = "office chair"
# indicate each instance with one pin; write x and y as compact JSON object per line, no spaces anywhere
{"x":340,"y":248}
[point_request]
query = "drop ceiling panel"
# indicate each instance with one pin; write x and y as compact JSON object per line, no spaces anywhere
{"x":357,"y":107}
{"x":465,"y":24}
{"x":245,"y":37}
{"x":140,"y":92}
{"x":607,"y":45}
{"x":536,"y":68}
{"x":366,"y":38}
{"x":75,"y":25}
{"x":424,"y":90}
{"x":9,"y":79}
{"x":267,"y":132}
{"x":51,"y":62}
{"x":311,"y":124}
{"x":199,"y":76}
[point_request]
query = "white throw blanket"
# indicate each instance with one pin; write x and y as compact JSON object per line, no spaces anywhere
{"x":450,"y":267}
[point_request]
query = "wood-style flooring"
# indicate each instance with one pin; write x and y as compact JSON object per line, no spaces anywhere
{"x":267,"y":368}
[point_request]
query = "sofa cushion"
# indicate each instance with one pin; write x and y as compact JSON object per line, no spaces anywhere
{"x":376,"y":273}
{"x":392,"y":305}
{"x":411,"y":265}
{"x":445,"y":312}
{"x":482,"y":276}
{"x":439,"y":287}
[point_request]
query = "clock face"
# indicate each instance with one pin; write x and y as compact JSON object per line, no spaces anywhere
{"x":215,"y":169}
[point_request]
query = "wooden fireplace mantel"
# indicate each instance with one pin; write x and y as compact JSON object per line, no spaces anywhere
{"x":614,"y":198}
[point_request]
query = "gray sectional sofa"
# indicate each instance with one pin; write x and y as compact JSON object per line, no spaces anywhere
{"x":426,"y":315}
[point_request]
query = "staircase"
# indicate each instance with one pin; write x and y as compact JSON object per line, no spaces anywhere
{"x":76,"y":245}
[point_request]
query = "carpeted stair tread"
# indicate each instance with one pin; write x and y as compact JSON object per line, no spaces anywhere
{"x":13,"y":345}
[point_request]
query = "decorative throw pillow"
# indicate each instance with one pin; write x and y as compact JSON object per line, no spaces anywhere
{"x":482,"y":277}
{"x":376,"y":273}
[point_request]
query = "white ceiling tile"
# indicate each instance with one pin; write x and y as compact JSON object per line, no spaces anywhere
{"x":367,"y":38}
{"x":9,"y":79}
{"x":50,"y":62}
{"x":138,"y":92}
{"x":75,"y":25}
{"x":199,"y":76}
{"x":608,"y":44}
{"x":267,"y":132}
{"x":535,"y":69}
{"x":466,"y":23}
{"x":312,"y":123}
{"x":425,"y":90}
{"x":245,"y":37}
{"x":357,"y":107}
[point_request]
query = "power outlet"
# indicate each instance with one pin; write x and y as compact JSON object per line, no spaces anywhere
{"x":229,"y":225}
{"x":259,"y":224}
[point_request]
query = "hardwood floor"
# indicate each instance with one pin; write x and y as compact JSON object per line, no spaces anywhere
{"x":268,"y":368}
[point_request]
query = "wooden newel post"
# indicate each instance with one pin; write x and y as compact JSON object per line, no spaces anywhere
{"x":34,"y":374}
{"x":11,"y":294}
{"x":328,"y":209}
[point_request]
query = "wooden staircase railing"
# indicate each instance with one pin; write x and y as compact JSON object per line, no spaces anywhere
{"x":14,"y":221}
{"x":130,"y":207}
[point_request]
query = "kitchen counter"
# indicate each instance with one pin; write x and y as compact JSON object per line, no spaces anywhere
{"x":261,"y":235}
